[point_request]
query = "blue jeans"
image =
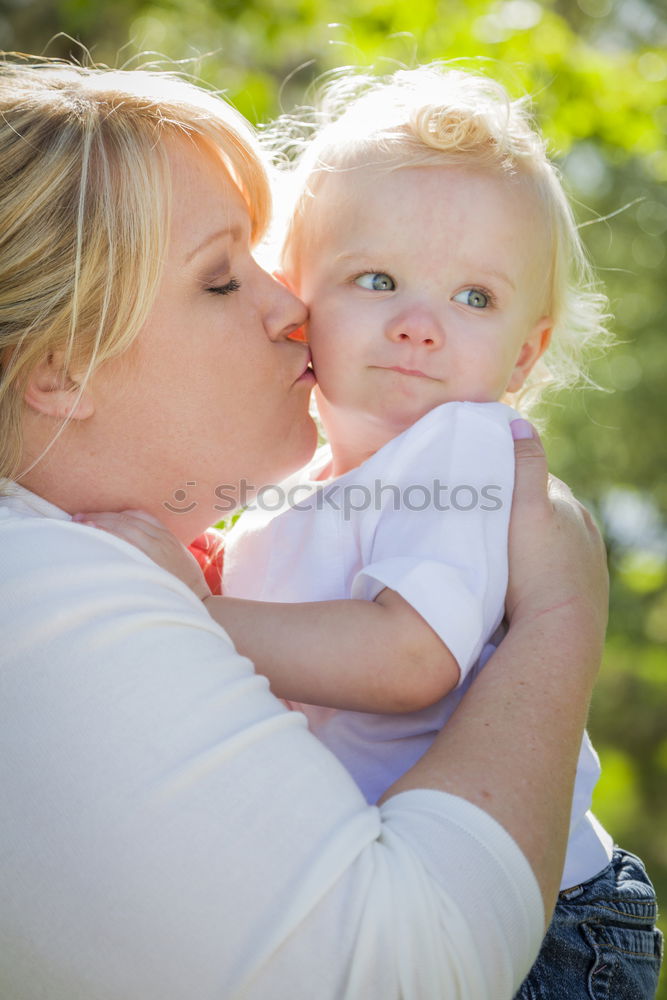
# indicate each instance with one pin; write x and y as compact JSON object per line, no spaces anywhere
{"x":602,"y":943}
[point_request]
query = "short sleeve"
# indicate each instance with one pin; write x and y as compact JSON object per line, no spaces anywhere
{"x":439,"y":537}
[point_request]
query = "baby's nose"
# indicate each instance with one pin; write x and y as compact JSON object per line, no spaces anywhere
{"x":418,"y":326}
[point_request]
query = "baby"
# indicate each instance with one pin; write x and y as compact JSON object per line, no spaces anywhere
{"x":434,"y":246}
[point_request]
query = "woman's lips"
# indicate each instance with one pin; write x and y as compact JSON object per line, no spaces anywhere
{"x":307,"y":375}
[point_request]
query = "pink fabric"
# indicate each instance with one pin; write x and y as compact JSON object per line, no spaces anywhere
{"x":209,"y":551}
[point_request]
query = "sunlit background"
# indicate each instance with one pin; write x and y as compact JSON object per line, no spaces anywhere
{"x":597,"y":70}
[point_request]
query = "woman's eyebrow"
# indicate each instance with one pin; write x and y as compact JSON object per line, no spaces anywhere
{"x":219,"y":234}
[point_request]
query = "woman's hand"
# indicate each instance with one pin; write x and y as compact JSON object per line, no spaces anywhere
{"x":557,"y":558}
{"x":150,"y":535}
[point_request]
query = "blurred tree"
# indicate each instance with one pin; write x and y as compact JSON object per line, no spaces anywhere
{"x":598,"y":73}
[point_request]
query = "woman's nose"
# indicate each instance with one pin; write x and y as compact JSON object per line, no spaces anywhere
{"x":417,"y":326}
{"x":284,"y":312}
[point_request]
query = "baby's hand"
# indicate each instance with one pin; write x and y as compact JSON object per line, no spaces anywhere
{"x":149,"y":535}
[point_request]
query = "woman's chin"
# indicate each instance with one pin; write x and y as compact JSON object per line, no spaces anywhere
{"x":299,"y":448}
{"x":308,"y":440}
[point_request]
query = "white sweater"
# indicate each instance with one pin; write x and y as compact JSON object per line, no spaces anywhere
{"x":169,"y":831}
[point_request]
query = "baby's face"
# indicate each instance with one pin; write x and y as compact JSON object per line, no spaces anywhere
{"x":425,"y":285}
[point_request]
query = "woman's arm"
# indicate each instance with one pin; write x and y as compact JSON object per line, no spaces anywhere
{"x":512,"y":746}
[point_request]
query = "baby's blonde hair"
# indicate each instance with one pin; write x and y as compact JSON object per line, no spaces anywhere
{"x":436,"y":116}
{"x":84,"y":210}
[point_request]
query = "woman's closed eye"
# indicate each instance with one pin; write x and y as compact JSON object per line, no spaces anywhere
{"x":375,"y":281}
{"x":477,"y":298}
{"x":230,"y":286}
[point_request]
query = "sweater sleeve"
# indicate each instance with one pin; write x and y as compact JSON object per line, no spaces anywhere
{"x":169,"y":830}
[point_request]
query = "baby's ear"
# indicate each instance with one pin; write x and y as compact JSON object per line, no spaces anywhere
{"x":531,"y":351}
{"x":53,"y":391}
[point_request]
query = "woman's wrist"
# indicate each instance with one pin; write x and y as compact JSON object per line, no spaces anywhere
{"x":566,"y":630}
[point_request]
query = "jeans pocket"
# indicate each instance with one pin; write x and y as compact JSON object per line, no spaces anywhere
{"x":627,"y":960}
{"x":602,"y":943}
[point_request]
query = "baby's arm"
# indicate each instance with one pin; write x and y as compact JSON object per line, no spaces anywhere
{"x":368,"y":656}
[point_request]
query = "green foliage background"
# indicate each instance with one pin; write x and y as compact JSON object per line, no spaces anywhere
{"x":598,"y":72}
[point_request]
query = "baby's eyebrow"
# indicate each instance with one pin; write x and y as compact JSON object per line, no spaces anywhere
{"x":474,"y":270}
{"x":356,"y":255}
{"x":500,"y":275}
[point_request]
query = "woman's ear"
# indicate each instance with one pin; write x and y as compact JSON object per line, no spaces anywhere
{"x":51,"y":390}
{"x":531,"y":351}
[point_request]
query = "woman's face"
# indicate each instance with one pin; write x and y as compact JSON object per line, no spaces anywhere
{"x":211,"y":400}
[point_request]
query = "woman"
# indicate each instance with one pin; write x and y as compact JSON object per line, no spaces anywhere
{"x":169,"y":829}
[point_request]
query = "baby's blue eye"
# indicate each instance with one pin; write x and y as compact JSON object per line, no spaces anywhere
{"x":376,"y":281}
{"x":473,"y":297}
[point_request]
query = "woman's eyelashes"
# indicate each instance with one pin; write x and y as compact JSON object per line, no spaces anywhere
{"x":375,"y":281}
{"x":230,"y":286}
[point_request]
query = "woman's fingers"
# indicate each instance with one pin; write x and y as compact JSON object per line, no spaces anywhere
{"x":145,"y":532}
{"x":533,"y":481}
{"x":530,"y":465}
{"x":136,"y":531}
{"x":557,"y":559}
{"x":128,"y":524}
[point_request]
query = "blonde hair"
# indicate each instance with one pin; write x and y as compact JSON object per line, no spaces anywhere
{"x":435,"y":116}
{"x":84,"y":210}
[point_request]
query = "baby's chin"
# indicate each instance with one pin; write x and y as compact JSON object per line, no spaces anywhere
{"x":392,"y":421}
{"x":399,"y":416}
{"x":365,"y":426}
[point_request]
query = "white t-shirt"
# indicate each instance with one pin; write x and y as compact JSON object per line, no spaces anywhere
{"x":427,"y":515}
{"x":169,"y":830}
